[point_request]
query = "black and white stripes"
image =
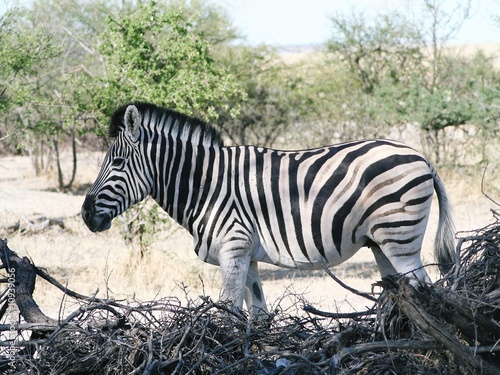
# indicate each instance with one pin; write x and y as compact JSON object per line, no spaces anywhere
{"x":246,"y":204}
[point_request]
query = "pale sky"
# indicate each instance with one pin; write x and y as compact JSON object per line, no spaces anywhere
{"x":304,"y":22}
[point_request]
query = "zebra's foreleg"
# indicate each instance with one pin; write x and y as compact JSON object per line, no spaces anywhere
{"x":234,"y":269}
{"x":254,"y":296}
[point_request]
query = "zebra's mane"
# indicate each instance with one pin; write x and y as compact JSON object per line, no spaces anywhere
{"x":167,"y":121}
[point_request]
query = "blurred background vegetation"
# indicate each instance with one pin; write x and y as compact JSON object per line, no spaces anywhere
{"x":65,"y":65}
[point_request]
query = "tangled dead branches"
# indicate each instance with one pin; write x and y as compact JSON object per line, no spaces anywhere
{"x":448,"y":327}
{"x":461,"y":311}
{"x":164,"y":337}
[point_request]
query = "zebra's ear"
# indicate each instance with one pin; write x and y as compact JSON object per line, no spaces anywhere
{"x":132,"y":120}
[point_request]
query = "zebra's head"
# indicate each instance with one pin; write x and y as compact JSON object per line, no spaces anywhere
{"x":120,"y":183}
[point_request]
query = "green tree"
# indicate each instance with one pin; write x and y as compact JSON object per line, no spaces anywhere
{"x":154,"y":54}
{"x":25,"y":48}
{"x":208,"y":20}
{"x":68,"y":64}
{"x":44,"y":112}
{"x":387,"y":49}
{"x":381,"y":57}
{"x":336,"y":111}
{"x":273,"y":103}
{"x":407,"y":74}
{"x":75,"y":27}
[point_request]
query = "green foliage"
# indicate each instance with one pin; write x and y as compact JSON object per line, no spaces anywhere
{"x":66,"y":65}
{"x":25,"y":48}
{"x":155,"y":54}
{"x":273,"y":103}
{"x":400,"y":81}
{"x":388,"y":49}
{"x":40,"y":108}
{"x":382,"y":58}
{"x":209,"y":21}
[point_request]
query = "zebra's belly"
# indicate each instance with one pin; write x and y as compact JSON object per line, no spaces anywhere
{"x":297,"y":260}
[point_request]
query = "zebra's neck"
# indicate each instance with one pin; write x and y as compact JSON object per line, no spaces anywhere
{"x":184,"y":172}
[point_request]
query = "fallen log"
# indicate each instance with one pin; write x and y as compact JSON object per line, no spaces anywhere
{"x":21,"y":285}
{"x":40,"y":224}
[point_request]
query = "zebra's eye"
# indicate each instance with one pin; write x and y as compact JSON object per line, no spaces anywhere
{"x":118,"y":162}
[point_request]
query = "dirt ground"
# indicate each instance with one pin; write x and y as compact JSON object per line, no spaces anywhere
{"x":104,"y":265}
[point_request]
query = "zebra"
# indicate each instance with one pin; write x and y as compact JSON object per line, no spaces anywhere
{"x":303,"y":209}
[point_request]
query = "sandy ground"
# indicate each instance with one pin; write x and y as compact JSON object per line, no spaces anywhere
{"x":103,"y":264}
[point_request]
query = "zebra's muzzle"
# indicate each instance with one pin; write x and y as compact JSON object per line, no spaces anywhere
{"x":95,"y":222}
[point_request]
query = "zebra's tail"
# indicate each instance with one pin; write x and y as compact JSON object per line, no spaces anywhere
{"x":444,"y":245}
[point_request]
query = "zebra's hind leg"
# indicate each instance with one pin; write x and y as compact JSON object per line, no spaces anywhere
{"x":254,"y":296}
{"x":384,"y":265}
{"x":406,"y":261}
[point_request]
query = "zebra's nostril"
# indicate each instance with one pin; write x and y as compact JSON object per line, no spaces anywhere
{"x":88,"y":207}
